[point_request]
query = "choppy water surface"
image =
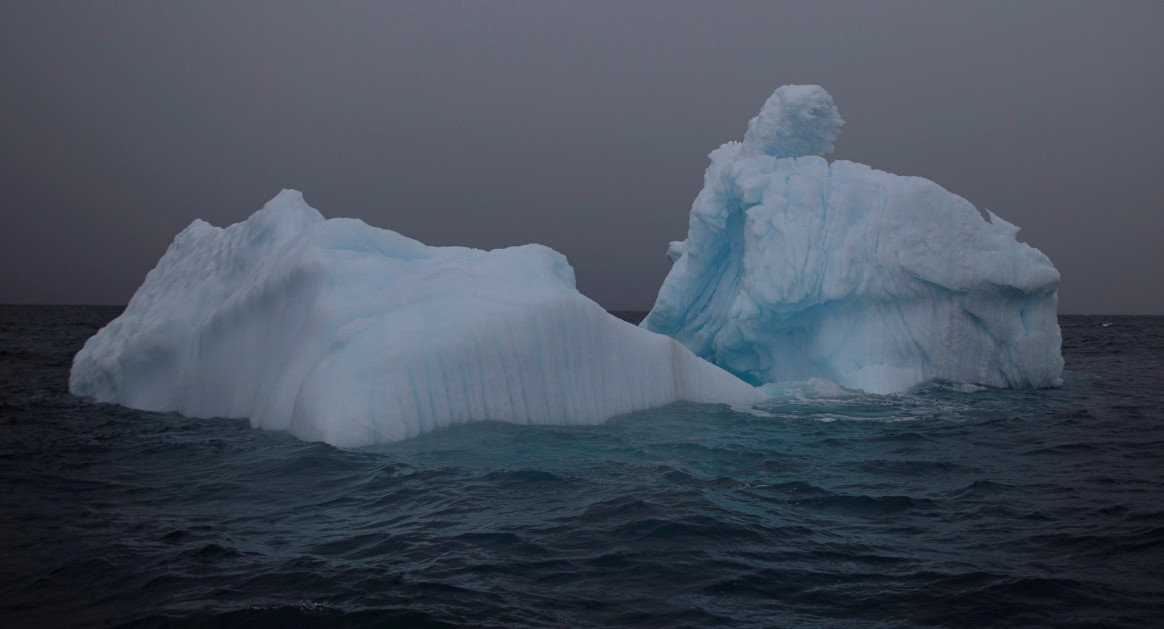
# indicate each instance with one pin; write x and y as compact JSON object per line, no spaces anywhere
{"x":950,"y":505}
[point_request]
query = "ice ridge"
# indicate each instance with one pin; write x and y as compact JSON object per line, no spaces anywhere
{"x":345,"y":333}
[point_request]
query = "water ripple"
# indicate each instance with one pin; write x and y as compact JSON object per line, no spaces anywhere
{"x":947,"y":505}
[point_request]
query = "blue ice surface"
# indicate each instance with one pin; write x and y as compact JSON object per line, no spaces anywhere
{"x":796,"y":268}
{"x":345,"y":333}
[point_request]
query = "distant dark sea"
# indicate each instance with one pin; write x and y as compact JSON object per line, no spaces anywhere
{"x":948,"y":506}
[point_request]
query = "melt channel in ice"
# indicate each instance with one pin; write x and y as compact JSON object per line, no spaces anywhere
{"x":353,"y":335}
{"x":796,"y":268}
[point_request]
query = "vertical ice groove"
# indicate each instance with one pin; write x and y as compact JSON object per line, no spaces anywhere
{"x":593,"y":368}
{"x":527,"y":413}
{"x":421,"y":414}
{"x":439,"y":389}
{"x":516,"y":412}
{"x":398,"y":429}
{"x":563,"y":313}
{"x":545,"y":356}
{"x":480,"y":368}
{"x":458,"y":404}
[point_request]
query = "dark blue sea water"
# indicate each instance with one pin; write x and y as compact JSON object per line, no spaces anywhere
{"x":947,"y":506}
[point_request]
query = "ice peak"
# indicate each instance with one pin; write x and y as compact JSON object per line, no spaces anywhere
{"x":289,"y":195}
{"x":796,"y":120}
{"x":287,"y":212}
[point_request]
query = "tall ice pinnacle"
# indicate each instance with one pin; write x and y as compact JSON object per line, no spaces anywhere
{"x":796,"y":120}
{"x":797,"y":268}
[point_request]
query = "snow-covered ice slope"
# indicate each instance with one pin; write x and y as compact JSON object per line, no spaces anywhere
{"x":797,"y":268}
{"x":353,"y":335}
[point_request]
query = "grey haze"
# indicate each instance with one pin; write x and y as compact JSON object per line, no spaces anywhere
{"x":583,"y":126}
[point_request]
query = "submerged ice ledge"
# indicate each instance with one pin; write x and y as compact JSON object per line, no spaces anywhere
{"x":796,"y":268}
{"x":345,"y":333}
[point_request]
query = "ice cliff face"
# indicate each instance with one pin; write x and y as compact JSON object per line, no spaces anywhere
{"x":795,"y":268}
{"x":353,"y":335}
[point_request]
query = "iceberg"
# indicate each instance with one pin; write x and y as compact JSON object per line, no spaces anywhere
{"x":795,"y":268}
{"x":340,"y":332}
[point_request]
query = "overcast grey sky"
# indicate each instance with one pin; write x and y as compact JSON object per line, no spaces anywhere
{"x":584,"y":126}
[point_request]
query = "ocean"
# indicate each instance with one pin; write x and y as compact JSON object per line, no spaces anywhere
{"x":949,"y":506}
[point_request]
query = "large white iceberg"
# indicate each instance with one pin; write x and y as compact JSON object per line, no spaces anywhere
{"x":353,"y":335}
{"x":797,"y":268}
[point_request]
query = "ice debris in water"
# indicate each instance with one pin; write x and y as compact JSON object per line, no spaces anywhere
{"x":353,"y":335}
{"x":795,"y":268}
